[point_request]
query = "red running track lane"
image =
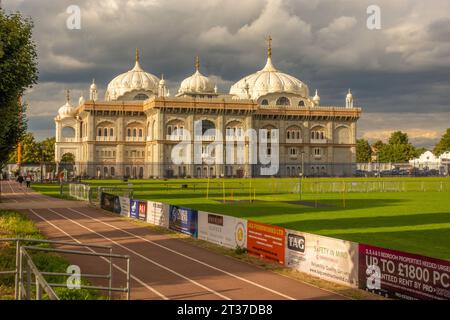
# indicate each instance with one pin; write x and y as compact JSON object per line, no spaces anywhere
{"x":162,"y":267}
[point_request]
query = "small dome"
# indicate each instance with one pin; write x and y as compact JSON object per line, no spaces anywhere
{"x":197,"y":83}
{"x":66,"y":111}
{"x":93,"y":85}
{"x":316,"y":98}
{"x":349,"y":94}
{"x":81,"y":101}
{"x":134,"y":80}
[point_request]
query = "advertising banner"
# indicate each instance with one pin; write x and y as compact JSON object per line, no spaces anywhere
{"x":134,"y":209}
{"x":183,"y":220}
{"x":327,"y":258}
{"x":158,"y":214}
{"x":124,"y":204}
{"x":107,"y":201}
{"x":403,"y":275}
{"x":142,"y":210}
{"x":266,"y":241}
{"x":225,"y":231}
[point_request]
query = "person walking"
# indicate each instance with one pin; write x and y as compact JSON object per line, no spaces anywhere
{"x":20,"y":180}
{"x":28,"y":181}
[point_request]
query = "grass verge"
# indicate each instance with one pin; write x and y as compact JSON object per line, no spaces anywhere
{"x":17,"y":225}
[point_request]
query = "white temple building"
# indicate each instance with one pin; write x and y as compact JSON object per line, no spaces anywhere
{"x":133,"y":131}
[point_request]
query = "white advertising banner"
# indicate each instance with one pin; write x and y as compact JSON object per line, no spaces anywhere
{"x":124,"y":206}
{"x":158,"y":214}
{"x":222,"y":230}
{"x":327,"y":258}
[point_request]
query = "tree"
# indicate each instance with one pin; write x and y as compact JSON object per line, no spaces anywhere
{"x":30,"y":150}
{"x":68,"y":158}
{"x":363,"y":151}
{"x":35,"y":152}
{"x":18,"y":69}
{"x":443,"y":145}
{"x":399,"y":149}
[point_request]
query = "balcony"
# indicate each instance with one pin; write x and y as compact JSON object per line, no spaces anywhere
{"x":106,"y":138}
{"x":177,"y":137}
{"x":69,"y":140}
{"x":134,"y":139}
{"x":319,"y":141}
{"x":294,"y":140}
{"x":205,"y":138}
{"x":234,"y":138}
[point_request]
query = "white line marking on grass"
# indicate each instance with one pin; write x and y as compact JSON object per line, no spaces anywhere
{"x":144,"y":257}
{"x":103,"y":258}
{"x":190,"y":258}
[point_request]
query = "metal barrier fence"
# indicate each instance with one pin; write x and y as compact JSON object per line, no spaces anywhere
{"x":369,"y":186}
{"x":24,"y":266}
{"x":80,"y":191}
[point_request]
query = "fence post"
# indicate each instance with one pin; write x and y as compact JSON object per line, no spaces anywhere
{"x":28,"y":281}
{"x":16,"y":278}
{"x":38,"y":290}
{"x":20,"y":275}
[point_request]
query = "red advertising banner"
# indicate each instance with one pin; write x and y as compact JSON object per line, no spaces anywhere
{"x":266,"y":241}
{"x":403,"y":275}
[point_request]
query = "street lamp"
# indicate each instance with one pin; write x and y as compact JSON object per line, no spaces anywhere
{"x":301,"y":174}
{"x":42,"y":161}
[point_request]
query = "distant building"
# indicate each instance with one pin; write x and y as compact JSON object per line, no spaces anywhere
{"x":428,"y":161}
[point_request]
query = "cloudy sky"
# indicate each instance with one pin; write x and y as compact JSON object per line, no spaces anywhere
{"x":400,"y":74}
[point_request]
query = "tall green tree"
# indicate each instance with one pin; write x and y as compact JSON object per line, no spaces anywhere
{"x":363,"y":151}
{"x":48,"y":149}
{"x":18,"y":70}
{"x":35,"y":152}
{"x":398,"y":149}
{"x":443,"y":145}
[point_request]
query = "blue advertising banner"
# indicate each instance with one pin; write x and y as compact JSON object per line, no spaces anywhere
{"x":183,"y":220}
{"x":134,"y":209}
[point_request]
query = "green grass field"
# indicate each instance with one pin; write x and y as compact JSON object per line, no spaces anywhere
{"x":412,"y":214}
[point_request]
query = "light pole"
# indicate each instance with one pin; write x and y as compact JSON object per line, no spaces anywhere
{"x":42,"y":161}
{"x":302,"y":174}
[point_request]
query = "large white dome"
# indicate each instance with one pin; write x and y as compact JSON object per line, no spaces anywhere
{"x":135,"y":80}
{"x":197,"y":83}
{"x":268,"y":80}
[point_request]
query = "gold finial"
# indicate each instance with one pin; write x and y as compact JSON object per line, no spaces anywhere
{"x":269,"y":48}
{"x":68,"y":95}
{"x":137,"y":54}
{"x":197,"y":63}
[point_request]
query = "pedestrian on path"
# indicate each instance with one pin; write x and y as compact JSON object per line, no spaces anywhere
{"x":28,"y":181}
{"x":20,"y":180}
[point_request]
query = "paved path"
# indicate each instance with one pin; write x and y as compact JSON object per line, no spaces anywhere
{"x":161,"y":267}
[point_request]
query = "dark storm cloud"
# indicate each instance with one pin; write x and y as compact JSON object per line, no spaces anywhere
{"x":402,"y":68}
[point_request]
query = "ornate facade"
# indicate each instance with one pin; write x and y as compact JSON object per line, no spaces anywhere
{"x":134,"y":130}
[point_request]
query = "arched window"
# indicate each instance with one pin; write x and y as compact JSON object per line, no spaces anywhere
{"x":99,"y":133}
{"x":141,"y":96}
{"x":68,"y":132}
{"x":301,"y":103}
{"x":134,"y":132}
{"x":283,"y":101}
{"x":105,"y":132}
{"x":129,"y":132}
{"x":169,"y":130}
{"x":140,"y":133}
{"x":265,"y":102}
{"x":111,"y":132}
{"x":208,"y":125}
{"x":288,"y":134}
{"x":113,"y":171}
{"x":105,"y":171}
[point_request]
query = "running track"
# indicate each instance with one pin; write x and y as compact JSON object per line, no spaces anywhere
{"x":161,"y":267}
